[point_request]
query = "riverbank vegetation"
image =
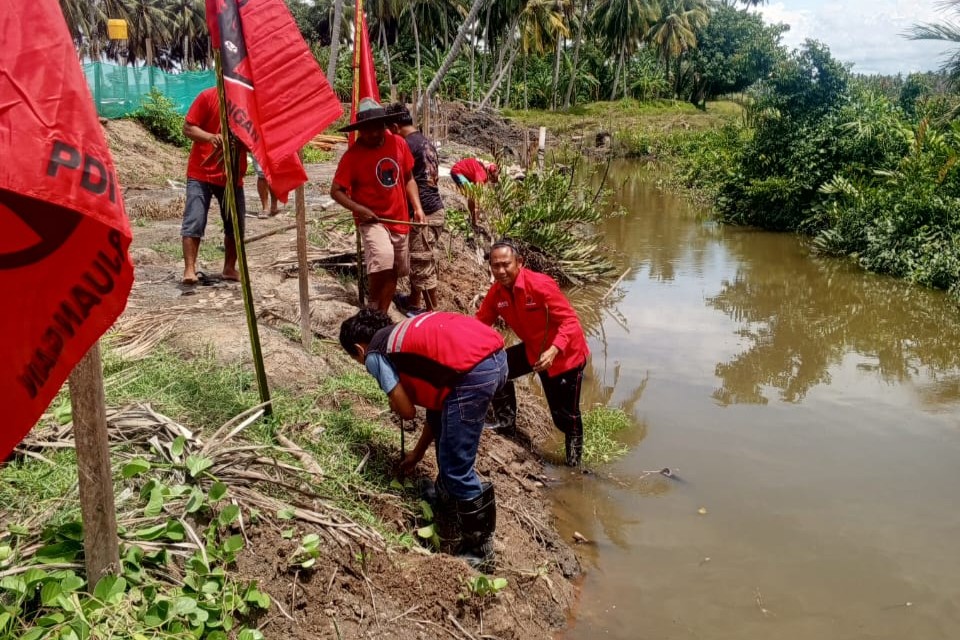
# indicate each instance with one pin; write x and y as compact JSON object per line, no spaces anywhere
{"x":866,"y":167}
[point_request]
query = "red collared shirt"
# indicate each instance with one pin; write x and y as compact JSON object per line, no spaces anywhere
{"x":525,"y":308}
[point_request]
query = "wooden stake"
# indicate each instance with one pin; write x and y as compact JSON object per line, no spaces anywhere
{"x":100,"y":547}
{"x":303,"y":276}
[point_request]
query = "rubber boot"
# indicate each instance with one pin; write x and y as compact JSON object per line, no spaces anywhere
{"x":478,"y":521}
{"x":574,"y":446}
{"x":503,"y":405}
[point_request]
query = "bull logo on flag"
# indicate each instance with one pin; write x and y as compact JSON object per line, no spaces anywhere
{"x":233,"y":53}
{"x":33,"y":238}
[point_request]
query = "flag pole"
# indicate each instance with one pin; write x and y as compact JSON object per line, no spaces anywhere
{"x":230,"y":202}
{"x":98,"y":510}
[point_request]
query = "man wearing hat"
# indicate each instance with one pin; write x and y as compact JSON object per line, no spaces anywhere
{"x":473,"y":171}
{"x":374,"y":180}
{"x":423,"y":240}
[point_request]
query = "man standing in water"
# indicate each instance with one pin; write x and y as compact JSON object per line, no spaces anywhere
{"x":553,"y":344}
{"x":423,"y":263}
{"x":374,"y":180}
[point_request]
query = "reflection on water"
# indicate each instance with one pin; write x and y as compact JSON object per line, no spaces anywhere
{"x":811,"y":410}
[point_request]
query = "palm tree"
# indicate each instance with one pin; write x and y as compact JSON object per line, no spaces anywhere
{"x":150,"y":24}
{"x":622,"y":25}
{"x":946,"y":31}
{"x":462,"y":32}
{"x":676,"y":32}
{"x":334,"y":41}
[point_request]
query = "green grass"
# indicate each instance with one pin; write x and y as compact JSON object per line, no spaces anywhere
{"x":316,"y":156}
{"x":600,"y":428}
{"x":625,"y":114}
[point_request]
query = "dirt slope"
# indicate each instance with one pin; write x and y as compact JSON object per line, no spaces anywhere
{"x":389,"y":593}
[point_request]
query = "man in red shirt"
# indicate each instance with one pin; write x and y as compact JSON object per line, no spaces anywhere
{"x":206,"y":179}
{"x":374,"y":180}
{"x":472,"y":171}
{"x":553,"y":344}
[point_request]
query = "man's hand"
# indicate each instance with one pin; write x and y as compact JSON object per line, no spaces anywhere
{"x":419,"y":216}
{"x":409,"y":463}
{"x":365,"y":215}
{"x":546,"y":359}
{"x":215,"y":139}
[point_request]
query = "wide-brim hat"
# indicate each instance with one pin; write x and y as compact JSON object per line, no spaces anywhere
{"x":368,"y":112}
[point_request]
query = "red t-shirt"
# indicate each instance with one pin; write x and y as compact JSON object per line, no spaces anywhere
{"x":205,"y":113}
{"x":377,"y":178}
{"x":471,"y":169}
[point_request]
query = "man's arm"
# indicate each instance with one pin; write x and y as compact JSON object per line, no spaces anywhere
{"x":413,"y":193}
{"x":339,"y":195}
{"x":487,"y":313}
{"x":563,"y":324}
{"x":197,"y":134}
{"x":400,"y":403}
{"x":416,"y":455}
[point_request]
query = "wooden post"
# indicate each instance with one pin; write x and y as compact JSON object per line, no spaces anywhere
{"x":526,"y":149}
{"x":306,"y":333}
{"x":416,"y":107}
{"x":393,"y":93}
{"x":100,"y":547}
{"x":541,"y":147}
{"x":426,"y":119}
{"x":361,"y":283}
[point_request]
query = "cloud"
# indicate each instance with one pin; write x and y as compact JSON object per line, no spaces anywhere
{"x":868,"y":33}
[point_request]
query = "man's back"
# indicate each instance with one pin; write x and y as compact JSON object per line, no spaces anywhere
{"x":425,"y":170}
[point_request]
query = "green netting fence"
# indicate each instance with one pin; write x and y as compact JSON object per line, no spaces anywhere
{"x":118,"y":90}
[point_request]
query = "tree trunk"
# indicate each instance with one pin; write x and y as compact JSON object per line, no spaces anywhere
{"x":386,"y":54}
{"x":616,"y":77}
{"x":454,"y":50}
{"x":556,"y":74}
{"x":576,"y":59}
{"x":334,"y":41}
{"x":496,"y":83}
{"x":416,"y":41}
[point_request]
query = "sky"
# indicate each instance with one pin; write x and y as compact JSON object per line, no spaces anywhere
{"x":864,"y":32}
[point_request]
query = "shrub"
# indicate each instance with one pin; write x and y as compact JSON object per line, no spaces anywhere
{"x":159,"y":115}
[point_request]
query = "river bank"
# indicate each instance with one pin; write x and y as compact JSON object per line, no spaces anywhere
{"x":337,"y":546}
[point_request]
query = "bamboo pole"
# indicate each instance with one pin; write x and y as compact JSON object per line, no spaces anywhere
{"x":361,"y":285}
{"x":230,"y":202}
{"x":303,"y":276}
{"x":100,"y":545}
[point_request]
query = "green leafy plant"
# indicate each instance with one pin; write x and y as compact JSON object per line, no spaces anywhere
{"x":428,"y":532}
{"x":159,"y":115}
{"x":307,"y":553}
{"x":483,"y":587}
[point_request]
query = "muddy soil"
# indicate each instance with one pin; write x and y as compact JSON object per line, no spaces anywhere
{"x":352,"y":592}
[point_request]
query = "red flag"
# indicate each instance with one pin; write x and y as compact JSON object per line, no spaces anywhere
{"x":64,"y":233}
{"x":364,"y":71}
{"x":277,"y":96}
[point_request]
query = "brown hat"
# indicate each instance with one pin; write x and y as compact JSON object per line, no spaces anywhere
{"x":368,"y":112}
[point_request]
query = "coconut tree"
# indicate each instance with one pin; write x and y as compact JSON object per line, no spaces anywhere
{"x":675,"y":33}
{"x":150,"y":24}
{"x":334,"y":41}
{"x":465,"y":28}
{"x":622,"y":25}
{"x":946,"y":31}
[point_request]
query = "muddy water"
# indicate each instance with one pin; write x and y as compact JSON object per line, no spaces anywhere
{"x":812,"y":412}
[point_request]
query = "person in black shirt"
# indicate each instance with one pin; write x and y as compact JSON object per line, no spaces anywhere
{"x":423,"y":264}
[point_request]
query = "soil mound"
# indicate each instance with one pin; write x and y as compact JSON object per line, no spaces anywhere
{"x":141,"y":159}
{"x":487,"y":130}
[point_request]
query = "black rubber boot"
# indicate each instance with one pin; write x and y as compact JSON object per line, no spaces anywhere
{"x":503,"y":405}
{"x":574,"y":447}
{"x":478,"y":521}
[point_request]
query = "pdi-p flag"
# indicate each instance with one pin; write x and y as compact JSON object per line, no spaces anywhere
{"x":277,"y":97}
{"x":64,"y":269}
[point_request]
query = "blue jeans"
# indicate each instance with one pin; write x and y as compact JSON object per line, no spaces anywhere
{"x":458,"y":425}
